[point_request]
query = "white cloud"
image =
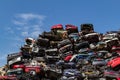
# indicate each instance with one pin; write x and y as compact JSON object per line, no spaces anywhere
{"x":19,"y":23}
{"x":9,"y":29}
{"x":24,"y":33}
{"x":29,"y":24}
{"x":29,"y":16}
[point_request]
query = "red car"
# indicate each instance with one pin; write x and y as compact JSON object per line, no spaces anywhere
{"x":114,"y":62}
{"x":71,"y":28}
{"x":18,"y":66}
{"x":57,"y":26}
{"x":8,"y":78}
{"x":36,"y":69}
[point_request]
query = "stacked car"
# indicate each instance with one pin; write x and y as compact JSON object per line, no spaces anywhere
{"x":66,"y":54}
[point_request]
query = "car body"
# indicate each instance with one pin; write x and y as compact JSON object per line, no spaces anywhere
{"x":76,"y":57}
{"x":74,"y":36}
{"x":65,"y":48}
{"x":109,"y":36}
{"x":71,"y":28}
{"x":13,"y":55}
{"x":57,"y":27}
{"x":111,"y":74}
{"x":8,"y":77}
{"x":52,"y":54}
{"x":71,"y":74}
{"x":15,"y":72}
{"x":18,"y":66}
{"x":34,"y":69}
{"x":92,"y":37}
{"x":99,"y":62}
{"x":86,"y":28}
{"x":15,"y":60}
{"x":114,"y":63}
{"x":116,"y":49}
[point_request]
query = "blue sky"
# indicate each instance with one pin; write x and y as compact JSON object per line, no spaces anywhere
{"x":28,"y":18}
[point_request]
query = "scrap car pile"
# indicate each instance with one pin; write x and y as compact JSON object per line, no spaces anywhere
{"x":66,"y":54}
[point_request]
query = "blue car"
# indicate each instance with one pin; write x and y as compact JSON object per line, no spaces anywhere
{"x":71,"y":74}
